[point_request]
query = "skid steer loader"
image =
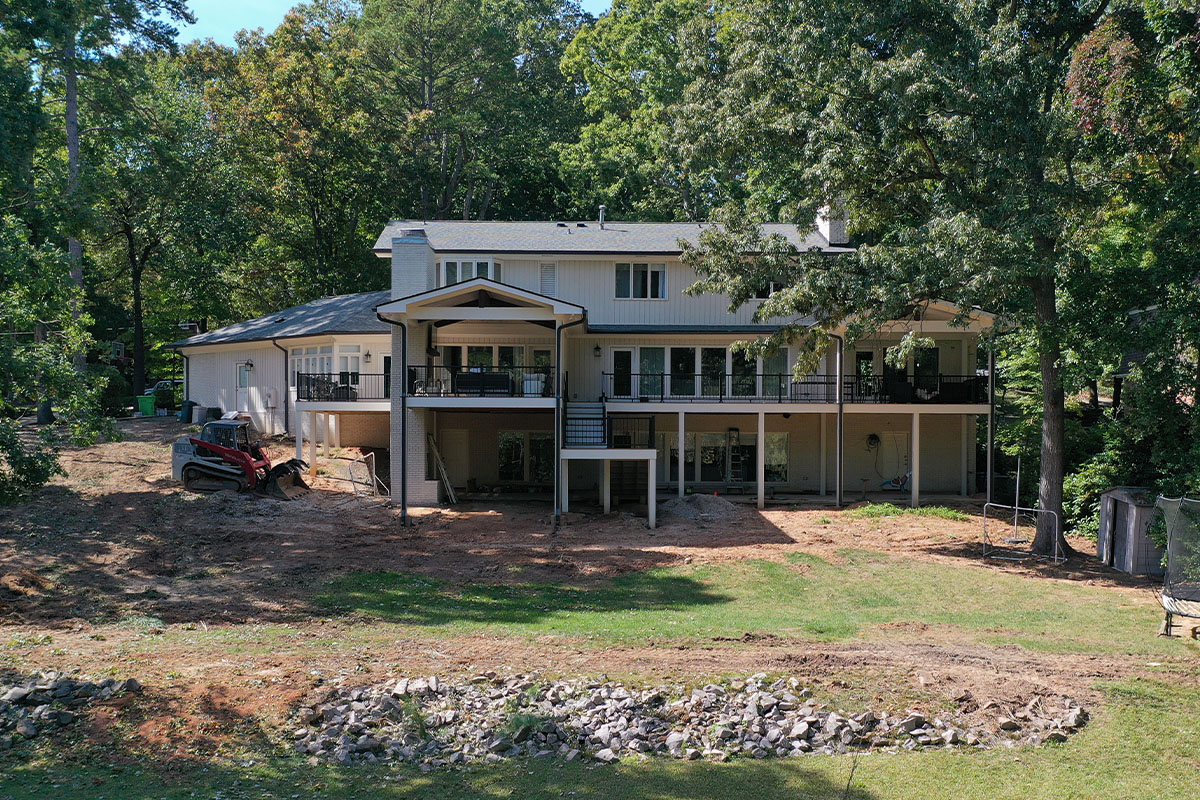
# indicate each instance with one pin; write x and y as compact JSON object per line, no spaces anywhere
{"x":228,"y":455}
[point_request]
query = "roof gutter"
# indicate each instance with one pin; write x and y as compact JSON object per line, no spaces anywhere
{"x":287,"y":392}
{"x":559,"y":413}
{"x":404,"y":521}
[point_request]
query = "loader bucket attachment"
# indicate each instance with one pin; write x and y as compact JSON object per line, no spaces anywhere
{"x":285,"y":481}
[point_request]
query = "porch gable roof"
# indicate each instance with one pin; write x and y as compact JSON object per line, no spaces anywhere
{"x":479,"y":298}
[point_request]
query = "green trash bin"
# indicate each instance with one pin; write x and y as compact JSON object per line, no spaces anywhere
{"x":146,"y":405}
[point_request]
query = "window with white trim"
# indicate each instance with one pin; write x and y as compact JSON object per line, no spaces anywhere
{"x":641,"y":281}
{"x":317,"y":359}
{"x":349,"y":360}
{"x":767,"y":289}
{"x":456,"y":270}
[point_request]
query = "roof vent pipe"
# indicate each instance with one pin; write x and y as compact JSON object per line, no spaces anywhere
{"x":602,"y":210}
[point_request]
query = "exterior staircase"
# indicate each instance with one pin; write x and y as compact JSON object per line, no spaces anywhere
{"x":586,"y":426}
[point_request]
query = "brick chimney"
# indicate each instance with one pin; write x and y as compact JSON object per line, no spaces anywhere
{"x":413,"y":263}
{"x":831,"y":223}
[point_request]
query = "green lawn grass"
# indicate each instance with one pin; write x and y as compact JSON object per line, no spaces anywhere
{"x":804,"y":596}
{"x":1143,"y":743}
{"x":877,"y":510}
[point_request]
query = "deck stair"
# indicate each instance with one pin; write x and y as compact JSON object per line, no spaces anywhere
{"x":586,"y":426}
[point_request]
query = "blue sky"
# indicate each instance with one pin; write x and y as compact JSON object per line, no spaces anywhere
{"x":221,"y":19}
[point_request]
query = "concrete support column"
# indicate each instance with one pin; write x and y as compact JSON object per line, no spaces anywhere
{"x":652,"y":492}
{"x":916,"y":460}
{"x":824,"y":451}
{"x":606,"y":487}
{"x":299,"y":435}
{"x":312,"y":443}
{"x":337,"y":430}
{"x":966,"y":452}
{"x":563,"y":467}
{"x":327,"y":435}
{"x":760,"y":452}
{"x":682,"y":454}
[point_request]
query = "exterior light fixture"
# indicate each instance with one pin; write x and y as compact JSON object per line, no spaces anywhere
{"x":596,"y":351}
{"x":367,"y":357}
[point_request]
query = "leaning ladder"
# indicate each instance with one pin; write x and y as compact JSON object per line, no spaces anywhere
{"x":441,"y":468}
{"x":736,"y":473}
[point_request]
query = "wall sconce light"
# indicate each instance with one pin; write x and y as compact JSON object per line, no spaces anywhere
{"x":367,"y":357}
{"x":596,"y":351}
{"x":249,"y":364}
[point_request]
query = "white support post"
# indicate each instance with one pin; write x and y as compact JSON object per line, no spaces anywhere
{"x":651,"y":492}
{"x":760,"y":451}
{"x":566,"y":506}
{"x":300,"y":436}
{"x":337,"y":431}
{"x":312,"y":443}
{"x":326,"y":435}
{"x":916,"y":460}
{"x":824,"y":451}
{"x":606,"y":487}
{"x":965,"y":451}
{"x":682,"y":454}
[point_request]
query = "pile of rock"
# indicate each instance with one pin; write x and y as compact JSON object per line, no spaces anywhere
{"x":50,"y":700}
{"x":702,"y":507}
{"x":435,"y":724}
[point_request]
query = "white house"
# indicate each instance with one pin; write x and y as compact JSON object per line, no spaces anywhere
{"x":565,"y":357}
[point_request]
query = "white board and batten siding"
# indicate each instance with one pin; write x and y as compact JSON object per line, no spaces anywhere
{"x":592,"y":284}
{"x":213,"y":382}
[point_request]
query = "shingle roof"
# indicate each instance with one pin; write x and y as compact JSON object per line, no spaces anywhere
{"x":346,"y":313}
{"x":650,"y":238}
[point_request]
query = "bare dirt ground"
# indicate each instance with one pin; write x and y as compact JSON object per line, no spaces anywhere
{"x":118,"y":537}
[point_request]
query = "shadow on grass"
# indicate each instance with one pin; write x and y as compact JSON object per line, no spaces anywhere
{"x":657,"y":779}
{"x":417,"y":600}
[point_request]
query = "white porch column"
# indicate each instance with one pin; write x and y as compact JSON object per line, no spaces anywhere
{"x":562,"y":465}
{"x":606,"y":486}
{"x":682,"y":453}
{"x":651,"y":492}
{"x":337,"y":430}
{"x":824,"y":451}
{"x":299,"y":435}
{"x":327,"y":435}
{"x":312,"y":443}
{"x":761,"y":457}
{"x":965,"y":452}
{"x":916,"y":460}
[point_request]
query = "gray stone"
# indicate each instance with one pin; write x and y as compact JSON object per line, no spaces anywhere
{"x":606,"y":756}
{"x":26,"y":728}
{"x":17,"y":694}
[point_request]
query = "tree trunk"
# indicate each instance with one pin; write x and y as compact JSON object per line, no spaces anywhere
{"x":1050,"y":483}
{"x":45,"y":414}
{"x":74,"y":246}
{"x":139,"y":335}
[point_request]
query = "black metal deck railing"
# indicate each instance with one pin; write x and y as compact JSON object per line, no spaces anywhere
{"x":505,"y":381}
{"x":621,"y":432}
{"x":342,"y":386}
{"x":783,"y":388}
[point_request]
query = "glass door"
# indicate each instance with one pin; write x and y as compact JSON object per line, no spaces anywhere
{"x":712,"y":372}
{"x":622,"y":372}
{"x":651,"y":370}
{"x":683,"y":371}
{"x":775,"y":379}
